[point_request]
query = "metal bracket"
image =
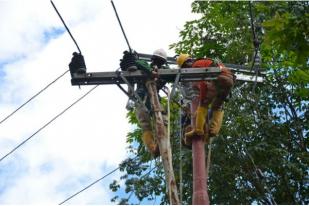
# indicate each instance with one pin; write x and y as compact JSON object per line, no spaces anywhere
{"x":124,"y":91}
{"x":135,"y":95}
{"x":175,"y":85}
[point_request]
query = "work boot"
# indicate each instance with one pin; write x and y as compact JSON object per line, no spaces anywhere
{"x":215,"y":122}
{"x":148,"y":141}
{"x":200,"y":120}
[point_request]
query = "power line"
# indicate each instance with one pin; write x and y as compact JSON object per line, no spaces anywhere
{"x":98,"y":180}
{"x":53,"y":119}
{"x":34,"y":96}
{"x":67,"y":28}
{"x":256,"y":44}
{"x":93,"y":183}
{"x":144,"y":175}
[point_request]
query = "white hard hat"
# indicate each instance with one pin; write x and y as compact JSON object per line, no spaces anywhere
{"x":160,"y":53}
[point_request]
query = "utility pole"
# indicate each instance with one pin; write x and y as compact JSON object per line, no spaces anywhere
{"x":200,"y":176}
{"x":170,"y":75}
{"x":200,"y":194}
{"x":200,"y":189}
{"x":81,"y":77}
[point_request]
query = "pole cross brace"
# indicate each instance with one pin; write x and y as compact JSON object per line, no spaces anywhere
{"x":168,"y":75}
{"x":243,"y":73}
{"x":135,"y":97}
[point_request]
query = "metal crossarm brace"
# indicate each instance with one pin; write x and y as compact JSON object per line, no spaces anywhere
{"x":135,"y":95}
{"x":175,"y":85}
{"x":242,"y":72}
{"x":168,"y":75}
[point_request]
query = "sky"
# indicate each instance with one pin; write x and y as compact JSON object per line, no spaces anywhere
{"x":89,"y":140}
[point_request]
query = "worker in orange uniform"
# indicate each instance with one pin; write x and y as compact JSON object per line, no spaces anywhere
{"x":211,"y":94}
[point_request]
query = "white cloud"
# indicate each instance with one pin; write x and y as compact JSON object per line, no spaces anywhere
{"x":89,"y":139}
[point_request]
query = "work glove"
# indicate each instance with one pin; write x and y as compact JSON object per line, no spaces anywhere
{"x":127,"y":63}
{"x":77,"y":64}
{"x":143,"y":66}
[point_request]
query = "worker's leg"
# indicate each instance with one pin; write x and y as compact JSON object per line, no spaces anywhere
{"x":147,"y":136}
{"x":200,"y":119}
{"x":207,"y":93}
{"x":215,"y":122}
{"x":224,"y":85}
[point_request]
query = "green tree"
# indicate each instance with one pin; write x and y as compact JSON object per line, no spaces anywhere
{"x":261,"y":155}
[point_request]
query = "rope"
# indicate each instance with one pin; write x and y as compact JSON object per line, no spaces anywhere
{"x":209,"y":156}
{"x":168,"y":114}
{"x":180,"y":157}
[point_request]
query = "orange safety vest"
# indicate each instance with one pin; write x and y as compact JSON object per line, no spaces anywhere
{"x":206,"y":62}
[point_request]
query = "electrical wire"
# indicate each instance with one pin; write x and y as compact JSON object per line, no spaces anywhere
{"x":85,"y":188}
{"x":208,"y":162}
{"x":256,"y":45}
{"x":143,"y":176}
{"x":45,"y":125}
{"x":93,"y":183}
{"x":67,"y":28}
{"x":34,"y":96}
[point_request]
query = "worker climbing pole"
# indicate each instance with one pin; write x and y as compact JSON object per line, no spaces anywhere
{"x":147,"y":90}
{"x":209,"y":96}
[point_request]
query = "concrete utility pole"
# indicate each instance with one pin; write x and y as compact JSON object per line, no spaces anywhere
{"x":200,"y":191}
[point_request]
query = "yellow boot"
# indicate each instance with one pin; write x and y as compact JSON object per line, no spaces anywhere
{"x":200,"y":120}
{"x":215,"y":122}
{"x":148,"y":141}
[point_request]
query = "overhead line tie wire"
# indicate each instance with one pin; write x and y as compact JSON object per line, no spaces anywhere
{"x":53,"y":119}
{"x":34,"y":96}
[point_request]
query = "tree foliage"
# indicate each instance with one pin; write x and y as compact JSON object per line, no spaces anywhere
{"x":261,"y":155}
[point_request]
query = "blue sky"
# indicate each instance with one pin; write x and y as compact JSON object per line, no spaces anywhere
{"x":89,"y":140}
